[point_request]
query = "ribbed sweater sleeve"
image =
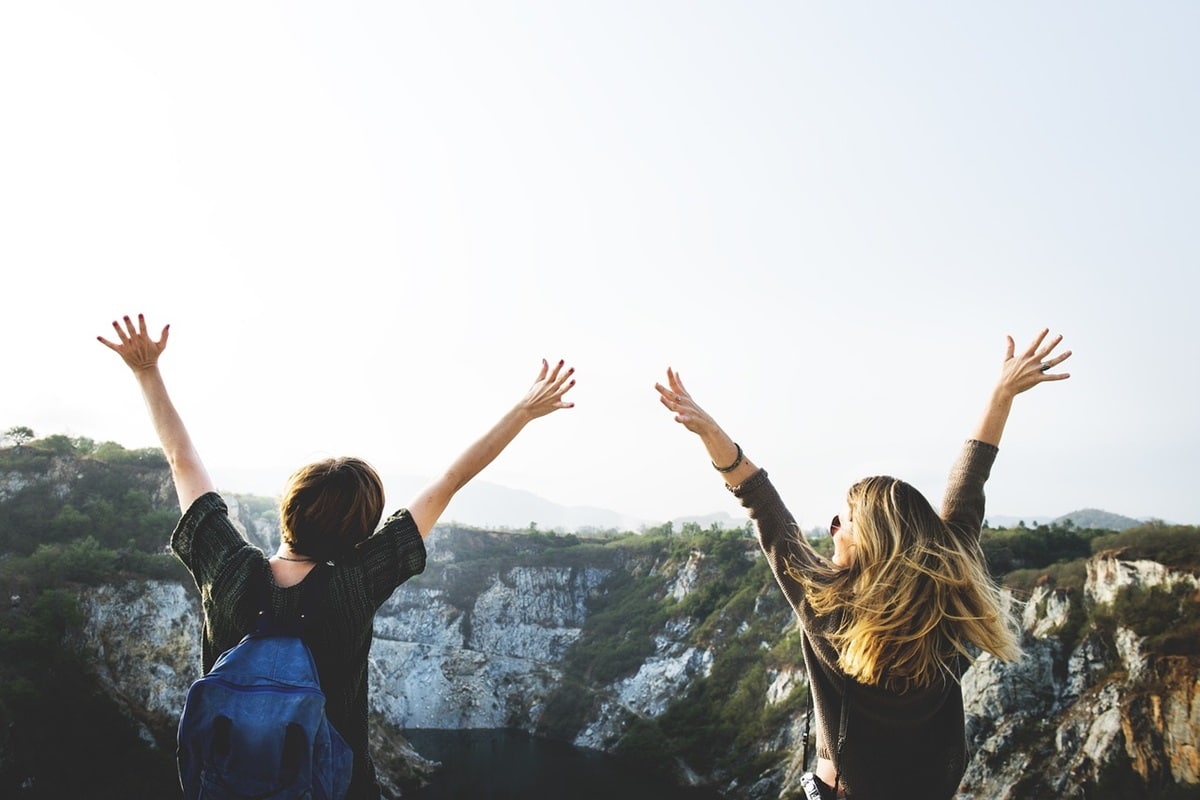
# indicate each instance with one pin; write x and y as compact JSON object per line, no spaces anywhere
{"x":780,"y":538}
{"x":964,"y":502}
{"x":391,"y":556}
{"x":206,"y":541}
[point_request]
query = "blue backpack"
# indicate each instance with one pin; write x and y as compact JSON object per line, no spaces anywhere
{"x":255,"y":725}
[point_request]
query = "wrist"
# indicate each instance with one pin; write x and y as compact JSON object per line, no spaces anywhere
{"x":1002,"y":396}
{"x":731,"y":464}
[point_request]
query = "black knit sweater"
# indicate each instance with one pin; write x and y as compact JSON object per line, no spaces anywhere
{"x":898,"y":745}
{"x":229,"y":572}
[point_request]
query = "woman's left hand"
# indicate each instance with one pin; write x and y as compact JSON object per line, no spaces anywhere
{"x":1022,"y":372}
{"x":546,"y":394}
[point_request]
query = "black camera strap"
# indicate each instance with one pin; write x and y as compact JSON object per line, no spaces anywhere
{"x":842,"y":723}
{"x":841,"y":742}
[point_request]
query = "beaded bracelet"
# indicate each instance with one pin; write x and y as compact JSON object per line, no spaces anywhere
{"x":735,"y":463}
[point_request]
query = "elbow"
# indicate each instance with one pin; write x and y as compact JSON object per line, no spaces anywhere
{"x":186,"y":463}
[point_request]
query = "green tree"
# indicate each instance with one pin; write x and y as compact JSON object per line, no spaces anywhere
{"x":57,"y":443}
{"x":18,"y":435}
{"x":71,"y":523}
{"x":110,"y":451}
{"x":666,"y":529}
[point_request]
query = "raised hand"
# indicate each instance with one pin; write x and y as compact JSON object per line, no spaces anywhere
{"x":137,"y":349}
{"x":546,"y":394}
{"x":1022,"y":372}
{"x":676,"y":398}
{"x":140,"y":352}
{"x":724,"y":453}
{"x":1019,"y":373}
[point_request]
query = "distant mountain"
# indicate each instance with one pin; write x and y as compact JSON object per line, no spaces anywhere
{"x":488,"y":505}
{"x":1083,"y":518}
{"x":1103,"y":520}
{"x":485,"y":505}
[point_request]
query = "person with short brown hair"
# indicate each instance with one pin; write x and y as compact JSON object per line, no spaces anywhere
{"x":329,"y":514}
{"x":342,"y":495}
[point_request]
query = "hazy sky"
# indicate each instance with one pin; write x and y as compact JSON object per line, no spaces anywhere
{"x":367,"y":222}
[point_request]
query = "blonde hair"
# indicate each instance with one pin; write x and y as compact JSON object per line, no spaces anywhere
{"x":330,"y":506}
{"x":916,"y":595}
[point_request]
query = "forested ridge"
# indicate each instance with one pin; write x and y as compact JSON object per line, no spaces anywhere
{"x":73,"y":512}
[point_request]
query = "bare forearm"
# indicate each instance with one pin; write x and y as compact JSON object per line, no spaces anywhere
{"x":433,"y":500}
{"x":727,"y":456}
{"x":187,"y":470}
{"x":995,"y":416}
{"x":484,"y":450}
{"x":544,"y":397}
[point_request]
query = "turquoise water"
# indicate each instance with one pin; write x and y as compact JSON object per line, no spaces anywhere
{"x":507,"y":765}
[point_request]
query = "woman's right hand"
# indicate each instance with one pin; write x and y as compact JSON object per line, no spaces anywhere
{"x":724,"y":453}
{"x":675,"y":398}
{"x":137,"y":349}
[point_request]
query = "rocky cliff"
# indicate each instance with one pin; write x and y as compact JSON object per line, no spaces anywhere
{"x":674,"y":649}
{"x":489,"y":637}
{"x":1088,"y":710}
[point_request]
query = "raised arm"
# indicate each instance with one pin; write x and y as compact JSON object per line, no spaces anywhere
{"x":725,"y":454}
{"x":140,"y":353}
{"x":545,"y":396}
{"x":1019,"y":373}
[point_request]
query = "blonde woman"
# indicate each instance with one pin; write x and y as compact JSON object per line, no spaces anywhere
{"x":892,"y":621}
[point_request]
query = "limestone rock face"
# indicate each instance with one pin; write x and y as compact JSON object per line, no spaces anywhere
{"x":144,"y":640}
{"x":63,"y":472}
{"x":485,"y":637}
{"x":1109,"y":573}
{"x":662,"y":678}
{"x":1057,"y":721}
{"x":435,"y":664}
{"x":483,"y":643}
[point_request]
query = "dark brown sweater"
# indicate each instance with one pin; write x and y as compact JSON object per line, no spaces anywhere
{"x":898,"y":745}
{"x":227,"y":569}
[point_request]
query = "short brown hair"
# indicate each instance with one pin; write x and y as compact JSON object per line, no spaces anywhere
{"x":330,"y":506}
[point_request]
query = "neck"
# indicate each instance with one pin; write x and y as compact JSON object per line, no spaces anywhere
{"x":296,"y":559}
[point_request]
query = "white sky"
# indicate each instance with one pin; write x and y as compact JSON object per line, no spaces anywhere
{"x":367,"y":222}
